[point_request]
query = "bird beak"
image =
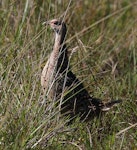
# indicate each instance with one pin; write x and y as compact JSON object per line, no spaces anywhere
{"x":46,"y":23}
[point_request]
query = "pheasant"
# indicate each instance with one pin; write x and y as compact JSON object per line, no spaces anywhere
{"x":60,"y":84}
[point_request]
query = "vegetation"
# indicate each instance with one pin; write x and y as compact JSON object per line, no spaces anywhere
{"x":102,"y":39}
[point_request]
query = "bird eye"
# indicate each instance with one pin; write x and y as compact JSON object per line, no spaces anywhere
{"x":57,"y":23}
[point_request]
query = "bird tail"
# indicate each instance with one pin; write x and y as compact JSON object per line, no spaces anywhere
{"x":107,"y":106}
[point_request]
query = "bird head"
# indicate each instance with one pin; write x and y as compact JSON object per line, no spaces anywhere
{"x":57,"y":25}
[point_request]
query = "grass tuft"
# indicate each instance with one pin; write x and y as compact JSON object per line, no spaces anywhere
{"x":101,"y":39}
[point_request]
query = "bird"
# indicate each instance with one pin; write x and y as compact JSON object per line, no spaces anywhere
{"x":61,"y":84}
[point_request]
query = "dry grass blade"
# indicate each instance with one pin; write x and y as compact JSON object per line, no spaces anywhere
{"x":126,"y":129}
{"x":98,"y":22}
{"x":98,"y":30}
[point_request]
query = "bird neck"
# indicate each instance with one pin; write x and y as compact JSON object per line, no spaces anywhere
{"x":59,"y":41}
{"x":59,"y":53}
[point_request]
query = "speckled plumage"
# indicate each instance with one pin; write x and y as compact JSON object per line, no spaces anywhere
{"x":61,"y":84}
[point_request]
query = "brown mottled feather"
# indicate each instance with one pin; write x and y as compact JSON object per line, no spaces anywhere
{"x":61,"y":84}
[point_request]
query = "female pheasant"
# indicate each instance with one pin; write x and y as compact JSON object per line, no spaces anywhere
{"x":61,"y":84}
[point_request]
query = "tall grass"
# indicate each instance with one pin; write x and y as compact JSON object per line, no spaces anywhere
{"x":103,"y":35}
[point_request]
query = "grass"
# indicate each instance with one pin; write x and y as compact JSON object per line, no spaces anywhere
{"x":103,"y":34}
